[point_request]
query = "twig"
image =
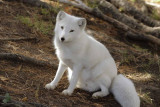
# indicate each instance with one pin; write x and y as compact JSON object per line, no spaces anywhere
{"x":25,"y":59}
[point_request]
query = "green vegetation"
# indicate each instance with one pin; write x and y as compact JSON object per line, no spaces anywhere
{"x":121,"y":9}
{"x":155,"y":0}
{"x":45,"y":12}
{"x":138,"y":48}
{"x":42,"y":21}
{"x":92,"y":3}
{"x":53,"y":10}
{"x":150,"y":61}
{"x":126,"y":57}
{"x":25,"y":20}
{"x":44,"y":27}
{"x":133,"y":0}
{"x":56,"y":9}
{"x":7,"y":98}
{"x":146,"y":97}
{"x":155,"y":15}
{"x":130,"y":59}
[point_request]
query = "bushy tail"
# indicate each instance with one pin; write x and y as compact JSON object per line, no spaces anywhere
{"x":124,"y":92}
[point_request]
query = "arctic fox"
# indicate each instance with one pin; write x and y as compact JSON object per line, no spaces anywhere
{"x":89,"y":63}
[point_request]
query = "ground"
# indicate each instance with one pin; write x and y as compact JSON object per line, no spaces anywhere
{"x":25,"y":82}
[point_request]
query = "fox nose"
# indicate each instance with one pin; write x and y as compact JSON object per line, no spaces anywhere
{"x":62,"y":39}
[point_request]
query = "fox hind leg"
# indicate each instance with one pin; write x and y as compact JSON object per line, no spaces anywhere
{"x":104,"y":84}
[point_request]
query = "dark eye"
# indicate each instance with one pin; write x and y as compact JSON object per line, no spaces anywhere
{"x":71,"y":31}
{"x":61,"y":27}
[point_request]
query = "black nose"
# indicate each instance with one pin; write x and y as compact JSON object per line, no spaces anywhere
{"x":62,"y":39}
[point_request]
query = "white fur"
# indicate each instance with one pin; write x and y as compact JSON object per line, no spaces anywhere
{"x":123,"y":88}
{"x":89,"y":63}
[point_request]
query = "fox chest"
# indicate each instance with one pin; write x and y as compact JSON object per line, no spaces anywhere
{"x":66,"y":58}
{"x":68,"y":62}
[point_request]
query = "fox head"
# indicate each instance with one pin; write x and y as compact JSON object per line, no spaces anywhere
{"x":69,"y":28}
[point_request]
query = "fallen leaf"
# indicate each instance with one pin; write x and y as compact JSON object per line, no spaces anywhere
{"x":92,"y":19}
{"x":24,"y":99}
{"x":3,"y":78}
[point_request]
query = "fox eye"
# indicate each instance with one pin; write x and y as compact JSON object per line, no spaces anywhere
{"x":61,"y":27}
{"x":71,"y":31}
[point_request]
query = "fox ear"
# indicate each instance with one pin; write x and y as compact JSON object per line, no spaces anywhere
{"x":60,"y":15}
{"x":82,"y":23}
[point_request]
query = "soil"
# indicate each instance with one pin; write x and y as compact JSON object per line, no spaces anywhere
{"x":25,"y":82}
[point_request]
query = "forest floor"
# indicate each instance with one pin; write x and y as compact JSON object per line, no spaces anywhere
{"x":25,"y":82}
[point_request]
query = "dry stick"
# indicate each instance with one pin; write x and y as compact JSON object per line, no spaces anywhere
{"x":19,"y":39}
{"x":133,"y":34}
{"x":108,"y":8}
{"x":25,"y":59}
{"x":131,"y":10}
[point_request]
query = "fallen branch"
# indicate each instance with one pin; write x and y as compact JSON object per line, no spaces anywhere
{"x":25,"y":59}
{"x":128,"y":31}
{"x":19,"y":39}
{"x":108,"y":8}
{"x":131,"y":10}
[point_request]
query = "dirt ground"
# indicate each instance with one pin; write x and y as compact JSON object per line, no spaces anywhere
{"x":25,"y":82}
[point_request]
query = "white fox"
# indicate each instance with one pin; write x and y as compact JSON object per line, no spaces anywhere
{"x":89,"y":63}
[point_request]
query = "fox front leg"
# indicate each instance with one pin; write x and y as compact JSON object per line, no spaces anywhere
{"x":73,"y":81}
{"x":59,"y":74}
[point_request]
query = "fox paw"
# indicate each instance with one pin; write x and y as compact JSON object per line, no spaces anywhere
{"x":67,"y":92}
{"x":97,"y":95}
{"x":49,"y":86}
